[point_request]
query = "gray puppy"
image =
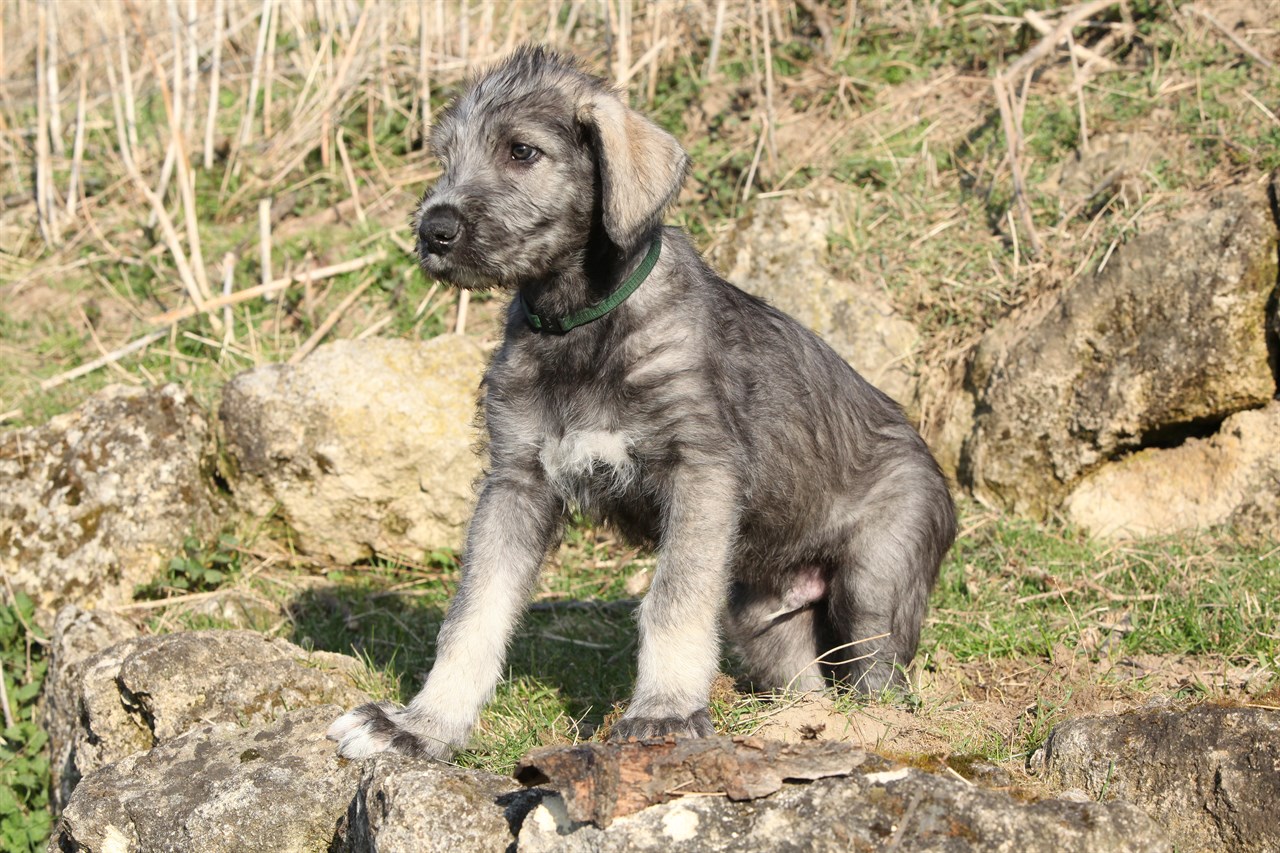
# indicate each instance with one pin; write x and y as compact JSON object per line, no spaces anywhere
{"x":790,"y":503}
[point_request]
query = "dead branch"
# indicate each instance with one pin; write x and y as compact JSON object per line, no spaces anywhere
{"x":178,"y":314}
{"x":600,"y":782}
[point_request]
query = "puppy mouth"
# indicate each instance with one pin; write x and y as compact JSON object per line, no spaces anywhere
{"x":448,"y":269}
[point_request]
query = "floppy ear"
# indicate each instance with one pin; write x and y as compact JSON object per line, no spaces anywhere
{"x":642,"y":167}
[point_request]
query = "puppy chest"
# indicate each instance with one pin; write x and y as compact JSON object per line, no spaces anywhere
{"x":586,"y":465}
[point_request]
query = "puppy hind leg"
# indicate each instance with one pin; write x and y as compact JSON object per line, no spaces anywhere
{"x":776,"y":640}
{"x":879,"y":595}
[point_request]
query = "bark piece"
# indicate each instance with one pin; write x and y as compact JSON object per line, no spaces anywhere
{"x":600,"y":782}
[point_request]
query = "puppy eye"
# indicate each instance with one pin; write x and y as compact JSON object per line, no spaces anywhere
{"x":524,"y":153}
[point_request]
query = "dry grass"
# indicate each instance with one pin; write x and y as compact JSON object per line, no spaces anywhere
{"x":142,"y":144}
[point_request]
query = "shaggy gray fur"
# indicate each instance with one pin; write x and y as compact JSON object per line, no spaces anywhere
{"x":695,"y":418}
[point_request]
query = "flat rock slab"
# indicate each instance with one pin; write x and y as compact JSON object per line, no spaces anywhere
{"x":903,"y":809}
{"x":97,"y":500}
{"x":409,"y":806}
{"x":218,"y":789}
{"x":1231,"y":478}
{"x":365,"y":447}
{"x":148,"y":690}
{"x":1209,"y":774}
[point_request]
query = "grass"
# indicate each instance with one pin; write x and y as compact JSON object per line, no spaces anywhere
{"x":1013,"y":588}
{"x":1011,"y":592}
{"x":899,"y":117}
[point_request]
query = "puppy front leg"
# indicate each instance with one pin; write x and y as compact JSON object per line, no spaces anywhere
{"x":680,"y":615}
{"x":509,"y":535}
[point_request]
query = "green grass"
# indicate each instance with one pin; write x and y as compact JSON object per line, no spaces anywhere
{"x":1014,"y":588}
{"x":1010,"y":591}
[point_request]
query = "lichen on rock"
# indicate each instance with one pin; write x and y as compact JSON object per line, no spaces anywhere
{"x":96,"y":501}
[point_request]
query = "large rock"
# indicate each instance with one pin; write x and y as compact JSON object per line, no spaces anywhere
{"x":96,"y":501}
{"x":781,"y":252}
{"x":149,"y":690}
{"x":430,"y":807}
{"x":1210,"y":775}
{"x":77,"y":636}
{"x":1231,"y":478}
{"x":1168,"y":339}
{"x":221,"y":789}
{"x":366,"y":446}
{"x":902,"y":809}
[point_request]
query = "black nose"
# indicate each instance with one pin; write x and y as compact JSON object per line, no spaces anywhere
{"x":440,"y":229}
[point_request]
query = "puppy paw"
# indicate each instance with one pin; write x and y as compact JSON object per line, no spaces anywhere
{"x":379,"y":727}
{"x":697,"y":724}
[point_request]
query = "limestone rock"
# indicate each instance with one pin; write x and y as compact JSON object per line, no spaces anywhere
{"x":218,"y":788}
{"x":94,"y":502}
{"x":1210,"y":774}
{"x":1231,"y":478}
{"x":781,"y":253}
{"x":149,"y":690}
{"x":366,"y":446}
{"x":1169,"y":337}
{"x":431,"y":807}
{"x":77,"y":636}
{"x":904,"y":809}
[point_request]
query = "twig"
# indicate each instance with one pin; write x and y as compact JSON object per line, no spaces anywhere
{"x":375,"y":328}
{"x":126,"y":80}
{"x":766,"y":38}
{"x":1078,"y":51}
{"x":464,"y":299}
{"x":77,"y":150}
{"x":264,"y":240}
{"x":109,"y":358}
{"x":228,"y":281}
{"x":4,"y":699}
{"x":255,"y":79}
{"x":51,"y":80}
{"x":1265,"y":110}
{"x":1242,"y":45}
{"x":193,"y":72}
{"x":1012,"y":122}
{"x":167,"y":602}
{"x":1013,"y":141}
{"x":717,"y":33}
{"x":329,"y":322}
{"x":44,"y":168}
{"x":269,"y":72}
{"x":1070,"y":19}
{"x":424,"y":79}
{"x":178,"y":314}
{"x":215,"y":73}
{"x":349,"y":173}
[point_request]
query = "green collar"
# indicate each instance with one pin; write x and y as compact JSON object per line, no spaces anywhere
{"x":595,"y":312}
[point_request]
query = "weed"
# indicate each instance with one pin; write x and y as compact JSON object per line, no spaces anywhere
{"x":199,"y":568}
{"x":25,"y":821}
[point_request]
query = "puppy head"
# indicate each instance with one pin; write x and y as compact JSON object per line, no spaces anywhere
{"x":539,"y":159}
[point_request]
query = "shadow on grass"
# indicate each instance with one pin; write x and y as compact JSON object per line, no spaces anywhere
{"x":571,"y":659}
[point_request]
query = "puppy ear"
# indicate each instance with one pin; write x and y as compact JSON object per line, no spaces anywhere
{"x":642,"y":167}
